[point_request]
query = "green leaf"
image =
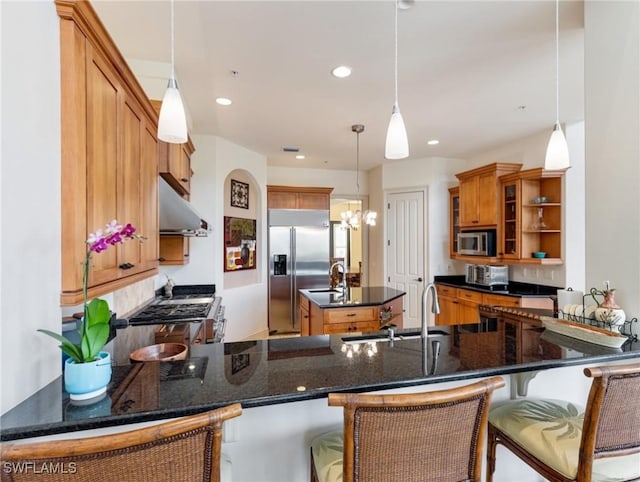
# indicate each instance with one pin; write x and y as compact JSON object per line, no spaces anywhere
{"x":66,"y":346}
{"x":97,"y":312}
{"x":93,"y":341}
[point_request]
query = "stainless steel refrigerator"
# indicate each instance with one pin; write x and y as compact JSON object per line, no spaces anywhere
{"x":298,"y":259}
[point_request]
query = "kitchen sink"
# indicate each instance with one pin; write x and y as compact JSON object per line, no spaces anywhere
{"x":407,"y":335}
{"x":187,"y":301}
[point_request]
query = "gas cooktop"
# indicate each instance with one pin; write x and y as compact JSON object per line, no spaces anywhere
{"x":189,"y":304}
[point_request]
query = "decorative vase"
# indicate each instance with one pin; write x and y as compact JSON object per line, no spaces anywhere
{"x":84,"y":381}
{"x":609,"y":312}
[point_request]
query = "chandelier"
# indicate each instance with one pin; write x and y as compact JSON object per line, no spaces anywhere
{"x":353,"y":219}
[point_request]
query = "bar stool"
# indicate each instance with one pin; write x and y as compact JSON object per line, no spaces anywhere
{"x":562,"y":443}
{"x":433,"y":436}
{"x":188,"y":448}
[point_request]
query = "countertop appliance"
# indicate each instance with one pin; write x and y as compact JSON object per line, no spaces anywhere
{"x":298,"y":259}
{"x":490,"y":275}
{"x":477,"y":243}
{"x":188,"y":304}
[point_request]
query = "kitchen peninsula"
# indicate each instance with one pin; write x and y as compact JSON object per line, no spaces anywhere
{"x":358,"y":309}
{"x":270,"y":372}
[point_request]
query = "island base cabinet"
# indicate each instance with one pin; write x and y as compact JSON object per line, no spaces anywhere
{"x":359,"y":319}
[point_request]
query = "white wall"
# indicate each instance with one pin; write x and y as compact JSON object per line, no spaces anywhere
{"x":612,"y":69}
{"x":30,"y":198}
{"x":342,"y":181}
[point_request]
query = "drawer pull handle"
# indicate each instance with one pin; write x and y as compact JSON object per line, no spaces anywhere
{"x":351,"y":314}
{"x":184,"y":179}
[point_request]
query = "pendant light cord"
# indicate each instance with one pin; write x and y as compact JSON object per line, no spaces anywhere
{"x":557,"y":65}
{"x":396,"y":54}
{"x":173,"y":73}
{"x":358,"y":162}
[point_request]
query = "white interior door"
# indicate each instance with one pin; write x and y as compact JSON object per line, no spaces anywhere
{"x":406,"y":250}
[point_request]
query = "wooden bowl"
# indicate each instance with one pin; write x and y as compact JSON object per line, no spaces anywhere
{"x":160,"y":352}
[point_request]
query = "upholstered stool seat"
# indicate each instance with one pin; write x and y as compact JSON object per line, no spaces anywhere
{"x":551,"y":430}
{"x":326,"y":451}
{"x":564,"y":442}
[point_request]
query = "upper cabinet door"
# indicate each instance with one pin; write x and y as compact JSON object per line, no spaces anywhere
{"x":103,"y":107}
{"x":109,"y":158}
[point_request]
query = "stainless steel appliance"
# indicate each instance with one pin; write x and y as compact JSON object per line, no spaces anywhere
{"x":191,"y":304}
{"x":477,"y":243}
{"x":493,"y":276}
{"x":298,"y":259}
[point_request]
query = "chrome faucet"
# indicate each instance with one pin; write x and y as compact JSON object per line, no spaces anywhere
{"x":435,"y":307}
{"x":435,"y":344}
{"x":344,"y":274}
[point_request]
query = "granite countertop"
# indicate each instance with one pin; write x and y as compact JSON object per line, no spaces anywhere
{"x":514,"y":288}
{"x":275,"y":371}
{"x":362,"y":296}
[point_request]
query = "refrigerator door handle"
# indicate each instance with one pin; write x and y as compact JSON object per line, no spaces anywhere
{"x":294,"y":291}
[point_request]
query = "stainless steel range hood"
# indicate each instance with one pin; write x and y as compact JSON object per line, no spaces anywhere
{"x":176,"y":215}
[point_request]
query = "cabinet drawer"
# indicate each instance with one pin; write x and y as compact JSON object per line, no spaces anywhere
{"x":473,"y":296}
{"x":350,"y":315}
{"x":498,"y":300}
{"x":447,"y":291}
{"x":363,"y":326}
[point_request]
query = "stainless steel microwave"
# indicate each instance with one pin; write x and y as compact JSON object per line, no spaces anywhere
{"x":477,"y":243}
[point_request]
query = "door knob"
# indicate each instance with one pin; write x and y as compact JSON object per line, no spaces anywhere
{"x":419,"y":279}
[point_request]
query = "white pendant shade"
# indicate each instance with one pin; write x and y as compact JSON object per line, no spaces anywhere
{"x":557,"y":151}
{"x":397,"y":144}
{"x":172,"y":124}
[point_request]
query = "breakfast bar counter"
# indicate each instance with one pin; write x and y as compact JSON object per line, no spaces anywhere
{"x":284,"y":370}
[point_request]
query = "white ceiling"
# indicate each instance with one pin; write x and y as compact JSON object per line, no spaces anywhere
{"x":465,"y":67}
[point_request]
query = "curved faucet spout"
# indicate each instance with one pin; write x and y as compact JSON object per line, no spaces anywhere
{"x":435,"y":306}
{"x":344,"y":274}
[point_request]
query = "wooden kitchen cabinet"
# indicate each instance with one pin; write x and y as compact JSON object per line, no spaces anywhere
{"x":174,"y":250}
{"x":529,"y":225}
{"x":354,"y":318}
{"x":109,"y":157}
{"x":293,"y":197}
{"x":454,"y":220}
{"x":479,"y":195}
{"x":460,"y":306}
{"x":457,"y":305}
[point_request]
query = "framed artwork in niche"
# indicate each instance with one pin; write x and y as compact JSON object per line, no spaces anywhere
{"x":239,"y":244}
{"x":239,"y":194}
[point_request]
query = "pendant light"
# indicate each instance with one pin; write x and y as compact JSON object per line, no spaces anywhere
{"x":172,"y":123}
{"x":557,"y":150}
{"x":397,"y":144}
{"x":350,"y":219}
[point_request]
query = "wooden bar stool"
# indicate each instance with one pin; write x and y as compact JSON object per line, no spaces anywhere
{"x":563,"y":443}
{"x":433,"y":436}
{"x":188,"y":448}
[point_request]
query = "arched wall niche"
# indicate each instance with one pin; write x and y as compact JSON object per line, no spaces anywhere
{"x":247,"y":192}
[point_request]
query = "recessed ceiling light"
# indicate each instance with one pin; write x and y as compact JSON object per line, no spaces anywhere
{"x":433,"y":142}
{"x":223,"y":101}
{"x":300,"y":156}
{"x":341,"y":71}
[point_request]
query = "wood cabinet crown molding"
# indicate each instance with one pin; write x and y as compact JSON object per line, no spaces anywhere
{"x":82,"y":13}
{"x":500,"y":167}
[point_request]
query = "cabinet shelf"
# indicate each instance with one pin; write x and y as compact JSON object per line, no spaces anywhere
{"x":521,"y":217}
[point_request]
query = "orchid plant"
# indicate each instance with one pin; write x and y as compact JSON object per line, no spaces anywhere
{"x":94,"y":329}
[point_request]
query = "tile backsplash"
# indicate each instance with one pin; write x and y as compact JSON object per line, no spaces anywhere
{"x":130,"y":298}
